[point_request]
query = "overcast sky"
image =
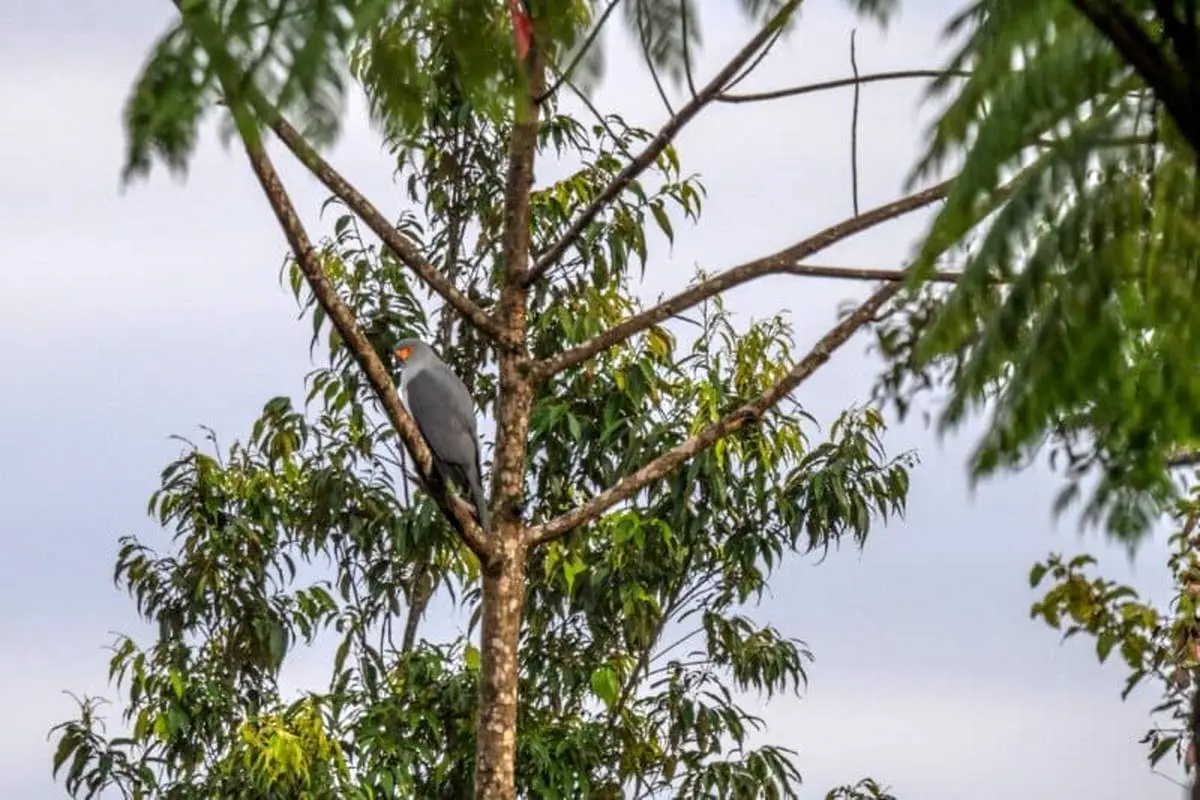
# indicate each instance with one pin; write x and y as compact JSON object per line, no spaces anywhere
{"x":128,"y":318}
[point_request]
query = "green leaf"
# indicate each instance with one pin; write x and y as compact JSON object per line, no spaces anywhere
{"x":605,"y":685}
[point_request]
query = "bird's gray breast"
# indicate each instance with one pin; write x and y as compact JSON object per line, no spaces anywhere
{"x":443,"y":410}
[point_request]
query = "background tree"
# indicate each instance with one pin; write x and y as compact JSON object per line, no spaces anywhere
{"x":1071,"y":218}
{"x":638,"y":483}
{"x":1159,"y":644}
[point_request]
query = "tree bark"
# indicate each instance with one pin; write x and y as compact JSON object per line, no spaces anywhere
{"x":496,"y":729}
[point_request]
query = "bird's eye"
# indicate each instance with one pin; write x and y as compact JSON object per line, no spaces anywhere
{"x":402,"y":353}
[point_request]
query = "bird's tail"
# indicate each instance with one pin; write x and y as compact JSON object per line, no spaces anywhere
{"x":480,"y":500}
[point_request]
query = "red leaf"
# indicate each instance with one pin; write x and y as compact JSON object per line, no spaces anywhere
{"x":522,"y":27}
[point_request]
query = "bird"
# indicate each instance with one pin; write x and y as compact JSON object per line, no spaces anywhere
{"x":444,"y":412}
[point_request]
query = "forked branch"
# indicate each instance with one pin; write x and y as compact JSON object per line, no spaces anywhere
{"x":657,"y":145}
{"x":665,"y":463}
{"x":783,"y":262}
{"x":360,"y":347}
{"x":403,"y":247}
{"x":239,"y":88}
{"x":457,"y":510}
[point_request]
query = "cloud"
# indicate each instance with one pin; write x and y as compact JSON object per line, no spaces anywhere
{"x":954,"y":739}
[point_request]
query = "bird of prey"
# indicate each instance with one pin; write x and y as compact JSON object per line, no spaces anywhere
{"x":445,"y":414}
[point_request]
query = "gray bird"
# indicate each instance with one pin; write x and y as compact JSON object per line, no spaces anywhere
{"x":445,"y":414}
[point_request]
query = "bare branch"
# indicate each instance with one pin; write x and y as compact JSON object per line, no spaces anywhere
{"x":758,"y":59}
{"x":840,"y":83}
{"x":687,"y":57}
{"x":457,"y":510}
{"x":783,"y":262}
{"x":419,"y":595}
{"x":665,"y":463}
{"x":240,"y":89}
{"x":397,"y":242}
{"x":656,"y":146}
{"x":854,"y":127}
{"x":644,"y":41}
{"x":1183,"y":458}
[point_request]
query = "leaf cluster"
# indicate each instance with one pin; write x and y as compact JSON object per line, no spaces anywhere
{"x":1071,"y":221}
{"x":1159,"y":644}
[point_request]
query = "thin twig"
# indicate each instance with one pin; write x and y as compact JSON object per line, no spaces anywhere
{"x":747,"y":414}
{"x":854,"y":126}
{"x":823,"y":86}
{"x":583,"y":98}
{"x":563,"y":76}
{"x":655,"y":147}
{"x":782,"y":262}
{"x":644,"y":41}
{"x":687,"y":57}
{"x":753,"y":65}
{"x":682,"y":640}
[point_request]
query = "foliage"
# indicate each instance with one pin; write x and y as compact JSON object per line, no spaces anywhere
{"x":1071,"y":221}
{"x":637,"y":638}
{"x":1159,"y":645}
{"x":866,"y":789}
{"x":294,"y":54}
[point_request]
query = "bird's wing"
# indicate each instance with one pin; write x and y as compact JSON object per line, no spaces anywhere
{"x":438,"y":412}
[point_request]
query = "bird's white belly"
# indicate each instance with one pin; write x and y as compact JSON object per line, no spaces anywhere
{"x":403,"y":387}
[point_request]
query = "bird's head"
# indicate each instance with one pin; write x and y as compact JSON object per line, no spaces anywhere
{"x":411,"y":352}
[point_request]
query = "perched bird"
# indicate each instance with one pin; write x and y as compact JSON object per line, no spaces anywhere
{"x":445,"y":414}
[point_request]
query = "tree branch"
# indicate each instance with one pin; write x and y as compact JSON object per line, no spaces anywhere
{"x":644,"y":41}
{"x":397,"y":242}
{"x":1183,"y":458}
{"x":663,"y":464}
{"x":854,"y":128}
{"x":809,"y":88}
{"x":420,"y":593}
{"x":1132,"y":42}
{"x":783,"y":262}
{"x":565,"y":75}
{"x":456,"y":509}
{"x":241,"y":88}
{"x":656,"y":146}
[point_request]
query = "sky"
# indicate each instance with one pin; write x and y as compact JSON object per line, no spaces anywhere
{"x":132,"y":316}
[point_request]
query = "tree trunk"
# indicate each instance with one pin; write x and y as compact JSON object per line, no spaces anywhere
{"x":496,"y":729}
{"x":504,"y":570}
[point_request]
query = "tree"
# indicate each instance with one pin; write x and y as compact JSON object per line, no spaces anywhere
{"x":639,"y":485}
{"x":1159,"y":644}
{"x":1072,"y":218}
